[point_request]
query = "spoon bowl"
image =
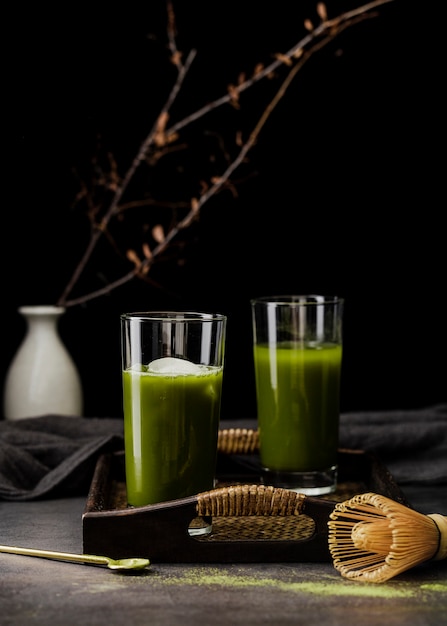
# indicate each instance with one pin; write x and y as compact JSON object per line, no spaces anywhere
{"x":133,"y":563}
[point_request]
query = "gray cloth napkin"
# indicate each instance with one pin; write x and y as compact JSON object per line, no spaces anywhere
{"x":55,"y":456}
{"x":412,"y":444}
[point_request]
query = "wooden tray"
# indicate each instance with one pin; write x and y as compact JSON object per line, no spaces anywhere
{"x":251,"y":522}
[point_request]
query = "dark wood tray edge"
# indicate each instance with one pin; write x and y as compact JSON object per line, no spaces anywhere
{"x":365,"y":466}
{"x":159,"y":532}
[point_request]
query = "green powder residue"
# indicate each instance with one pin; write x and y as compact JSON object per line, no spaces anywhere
{"x":441,"y":587}
{"x":347,"y":588}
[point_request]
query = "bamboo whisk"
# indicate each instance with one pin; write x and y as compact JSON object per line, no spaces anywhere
{"x":373,"y":538}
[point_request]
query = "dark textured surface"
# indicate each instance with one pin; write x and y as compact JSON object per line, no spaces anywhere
{"x":40,"y":591}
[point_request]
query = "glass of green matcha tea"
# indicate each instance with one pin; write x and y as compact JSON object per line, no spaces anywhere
{"x":297,"y":347}
{"x":172,"y":370}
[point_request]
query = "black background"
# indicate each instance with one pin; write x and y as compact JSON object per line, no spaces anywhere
{"x":342,"y":194}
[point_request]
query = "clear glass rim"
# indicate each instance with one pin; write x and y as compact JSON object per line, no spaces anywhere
{"x":173,"y":316}
{"x":297,"y":300}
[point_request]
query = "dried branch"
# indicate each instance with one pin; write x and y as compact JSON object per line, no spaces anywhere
{"x":161,"y":135}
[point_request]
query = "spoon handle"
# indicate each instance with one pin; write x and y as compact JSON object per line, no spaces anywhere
{"x":61,"y":556}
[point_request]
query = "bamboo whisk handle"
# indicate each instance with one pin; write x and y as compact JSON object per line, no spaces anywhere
{"x":441,"y":523}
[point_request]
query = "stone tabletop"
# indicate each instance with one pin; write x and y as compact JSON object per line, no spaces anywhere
{"x":41,"y":591}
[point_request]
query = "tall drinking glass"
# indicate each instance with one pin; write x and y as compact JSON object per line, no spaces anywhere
{"x":172,"y":369}
{"x":297,"y":347}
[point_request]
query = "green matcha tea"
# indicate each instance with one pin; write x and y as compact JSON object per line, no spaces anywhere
{"x":171,"y":424}
{"x":298,"y":391}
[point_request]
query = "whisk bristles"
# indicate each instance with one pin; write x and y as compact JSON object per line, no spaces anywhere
{"x":373,"y":538}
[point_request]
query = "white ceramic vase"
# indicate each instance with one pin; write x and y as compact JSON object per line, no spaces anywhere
{"x":42,"y":378}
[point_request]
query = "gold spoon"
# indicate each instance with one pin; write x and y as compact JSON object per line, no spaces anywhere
{"x":131,"y":563}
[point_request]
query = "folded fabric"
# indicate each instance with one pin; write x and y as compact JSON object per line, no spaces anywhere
{"x":412,"y":444}
{"x":55,"y":456}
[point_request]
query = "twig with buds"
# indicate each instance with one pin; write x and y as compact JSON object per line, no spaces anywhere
{"x":162,"y":136}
